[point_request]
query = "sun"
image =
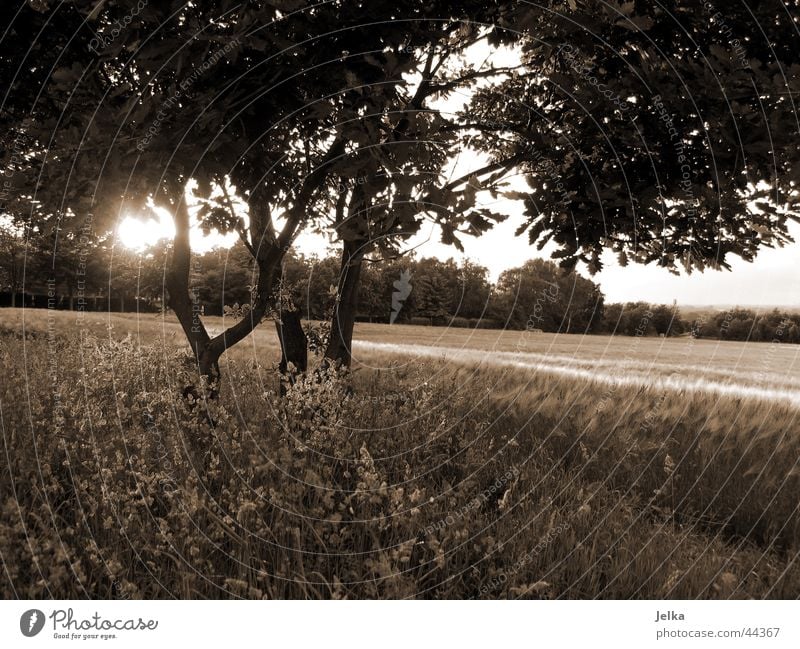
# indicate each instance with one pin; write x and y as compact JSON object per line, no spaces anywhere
{"x":138,"y":234}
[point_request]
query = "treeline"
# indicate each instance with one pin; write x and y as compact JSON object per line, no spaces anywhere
{"x":537,"y":296}
{"x":429,"y":291}
{"x":746,"y":324}
{"x":65,"y":272}
{"x":644,"y":319}
{"x":423,"y":291}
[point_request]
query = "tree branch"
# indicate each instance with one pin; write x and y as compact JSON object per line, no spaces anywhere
{"x":237,"y":220}
{"x":489,"y":168}
{"x":270,"y":256}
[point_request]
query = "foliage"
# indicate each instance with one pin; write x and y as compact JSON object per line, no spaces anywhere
{"x":540,"y":295}
{"x":646,"y":128}
{"x":748,"y":324}
{"x":643,"y":319}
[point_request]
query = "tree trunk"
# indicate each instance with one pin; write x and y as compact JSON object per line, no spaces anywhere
{"x":187,"y":309}
{"x":183,"y":304}
{"x":340,"y":345}
{"x":294,"y":347}
{"x":292,"y":338}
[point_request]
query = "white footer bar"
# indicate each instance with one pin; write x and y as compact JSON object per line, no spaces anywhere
{"x":400,"y":625}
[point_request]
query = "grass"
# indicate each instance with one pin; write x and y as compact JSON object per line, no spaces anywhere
{"x":427,"y":479}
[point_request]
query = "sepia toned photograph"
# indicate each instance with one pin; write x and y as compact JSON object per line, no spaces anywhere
{"x":441,"y":300}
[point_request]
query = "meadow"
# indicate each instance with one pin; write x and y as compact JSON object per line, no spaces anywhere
{"x":448,"y":464}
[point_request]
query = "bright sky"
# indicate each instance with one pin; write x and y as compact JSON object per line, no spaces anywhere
{"x":138,"y":234}
{"x":773,"y":279}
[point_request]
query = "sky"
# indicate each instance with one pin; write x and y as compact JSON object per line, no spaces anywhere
{"x":772,"y":279}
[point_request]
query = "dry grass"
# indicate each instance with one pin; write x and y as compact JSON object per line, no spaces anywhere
{"x":428,"y":480}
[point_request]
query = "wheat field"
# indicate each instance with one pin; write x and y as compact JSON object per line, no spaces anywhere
{"x":448,"y":464}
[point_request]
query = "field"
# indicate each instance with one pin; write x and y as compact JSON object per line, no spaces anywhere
{"x":749,"y":370}
{"x":452,"y":463}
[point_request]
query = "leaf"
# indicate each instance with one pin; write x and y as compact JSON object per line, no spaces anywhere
{"x":449,"y":237}
{"x":67,"y":75}
{"x":353,"y":81}
{"x":720,"y":53}
{"x":636,"y":23}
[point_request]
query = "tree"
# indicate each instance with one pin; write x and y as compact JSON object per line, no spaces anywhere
{"x":394,"y":176}
{"x":636,"y":319}
{"x":611,"y":91}
{"x":116,"y":123}
{"x":666,"y":320}
{"x":13,"y":250}
{"x":130,"y":99}
{"x":473,"y":298}
{"x":224,"y":278}
{"x":372,"y":297}
{"x":432,"y":298}
{"x":540,"y":295}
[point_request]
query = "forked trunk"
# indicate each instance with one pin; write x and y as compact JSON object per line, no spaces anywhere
{"x":292,"y":338}
{"x":268,"y":248}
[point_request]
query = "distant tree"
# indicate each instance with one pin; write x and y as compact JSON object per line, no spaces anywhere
{"x":739,"y":328}
{"x":75,"y":263}
{"x":321,"y":294}
{"x":432,"y":290}
{"x":224,"y":277}
{"x":373,"y":303}
{"x":631,"y":319}
{"x":666,"y":320}
{"x":13,"y":248}
{"x":474,"y":290}
{"x":641,"y":318}
{"x":793,"y":335}
{"x":612,"y":316}
{"x":583,"y":303}
{"x":540,"y":295}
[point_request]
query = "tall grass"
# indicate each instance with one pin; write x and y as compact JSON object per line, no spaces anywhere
{"x":480,"y":483}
